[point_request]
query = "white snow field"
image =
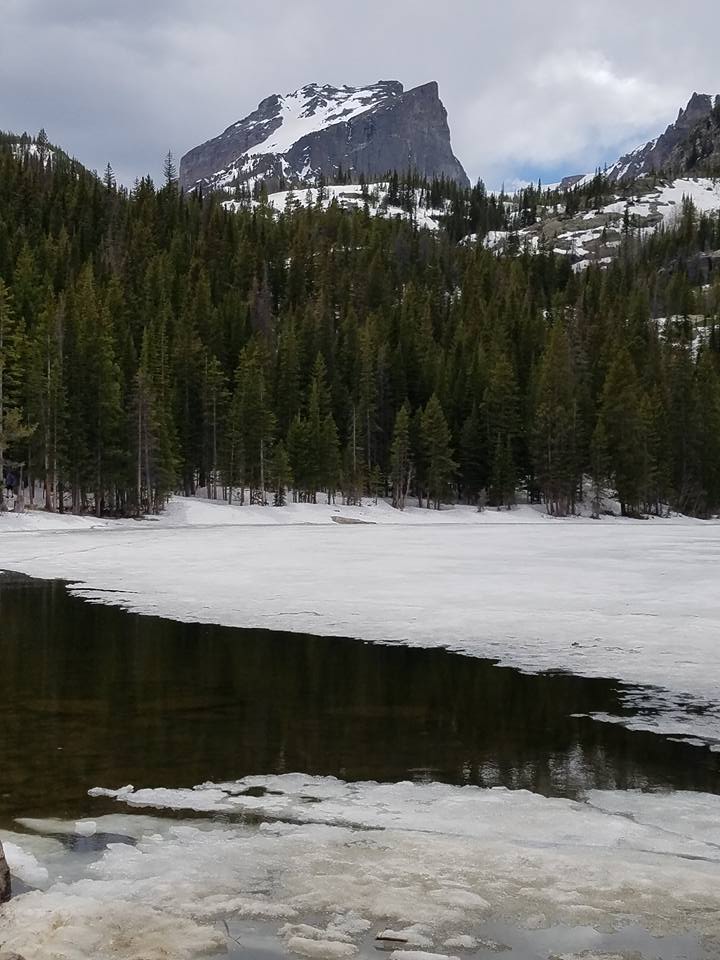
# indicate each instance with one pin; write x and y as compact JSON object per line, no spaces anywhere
{"x":328,"y":866}
{"x":634,"y":600}
{"x":349,"y":197}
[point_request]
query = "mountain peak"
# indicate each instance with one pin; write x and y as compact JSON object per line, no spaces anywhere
{"x":320,"y":128}
{"x":692,"y":141}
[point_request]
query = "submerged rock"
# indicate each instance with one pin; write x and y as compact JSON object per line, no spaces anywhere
{"x":4,"y":883}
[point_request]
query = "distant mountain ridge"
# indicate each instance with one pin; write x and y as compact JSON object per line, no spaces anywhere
{"x":322,"y":130}
{"x":689,"y":146}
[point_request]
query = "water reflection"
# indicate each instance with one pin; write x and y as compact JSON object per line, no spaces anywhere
{"x":92,"y":695}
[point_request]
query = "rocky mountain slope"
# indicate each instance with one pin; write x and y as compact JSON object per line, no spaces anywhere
{"x":319,"y":130}
{"x":691,"y":145}
{"x":595,"y":235}
{"x":688,"y":145}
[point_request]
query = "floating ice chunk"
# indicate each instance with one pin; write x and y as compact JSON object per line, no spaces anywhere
{"x":330,"y":949}
{"x":462,"y":942}
{"x":419,"y":955}
{"x":308,"y":932}
{"x":86,"y":828}
{"x":25,"y":866}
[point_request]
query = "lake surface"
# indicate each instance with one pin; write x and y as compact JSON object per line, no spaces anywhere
{"x":91,"y":695}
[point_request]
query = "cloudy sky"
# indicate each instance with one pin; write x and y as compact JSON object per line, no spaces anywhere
{"x":533,"y":87}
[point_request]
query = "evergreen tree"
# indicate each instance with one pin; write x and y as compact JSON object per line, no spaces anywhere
{"x":280,"y":474}
{"x":555,"y":419}
{"x":160,"y":342}
{"x":473,"y":457}
{"x":440,"y":466}
{"x":503,"y":479}
{"x":169,"y":170}
{"x":401,"y":467}
{"x":622,"y":422}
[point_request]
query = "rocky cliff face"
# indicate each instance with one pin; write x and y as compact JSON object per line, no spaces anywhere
{"x":320,"y":130}
{"x":691,"y":144}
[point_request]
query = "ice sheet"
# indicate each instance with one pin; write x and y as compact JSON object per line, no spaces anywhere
{"x":330,"y":863}
{"x":635,"y":600}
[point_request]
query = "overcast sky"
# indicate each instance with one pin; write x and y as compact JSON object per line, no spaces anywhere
{"x":532,"y":87}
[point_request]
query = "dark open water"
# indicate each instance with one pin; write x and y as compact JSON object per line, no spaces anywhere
{"x":91,"y":695}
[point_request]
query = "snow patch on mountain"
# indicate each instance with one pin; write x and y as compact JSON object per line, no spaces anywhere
{"x":373,"y":197}
{"x":594,"y":236}
{"x":317,"y":130}
{"x":314,"y":108}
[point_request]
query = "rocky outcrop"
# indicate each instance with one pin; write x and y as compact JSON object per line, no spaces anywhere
{"x":319,"y":131}
{"x":4,"y":877}
{"x":690,"y":145}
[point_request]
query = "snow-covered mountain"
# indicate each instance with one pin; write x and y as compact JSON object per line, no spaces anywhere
{"x":690,"y":145}
{"x":320,"y":130}
{"x":686,"y":145}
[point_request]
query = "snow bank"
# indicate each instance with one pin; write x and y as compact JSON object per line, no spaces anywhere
{"x":635,"y":600}
{"x":40,"y":522}
{"x":330,"y":864}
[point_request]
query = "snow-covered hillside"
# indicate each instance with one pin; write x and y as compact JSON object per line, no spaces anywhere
{"x":25,"y":149}
{"x":373,"y":197}
{"x":596,"y":235}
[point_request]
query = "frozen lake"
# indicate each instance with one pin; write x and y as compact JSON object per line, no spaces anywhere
{"x":390,"y":827}
{"x":637,"y":601}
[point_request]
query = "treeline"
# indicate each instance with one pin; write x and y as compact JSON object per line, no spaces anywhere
{"x":151,"y":342}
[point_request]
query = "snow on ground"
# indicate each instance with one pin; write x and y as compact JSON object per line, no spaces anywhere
{"x":650,"y":208}
{"x":667,"y":199}
{"x":331,"y":865}
{"x":349,"y":197}
{"x":634,"y":600}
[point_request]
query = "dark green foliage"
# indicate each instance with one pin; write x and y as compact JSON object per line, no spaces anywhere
{"x":439,"y":465}
{"x":281,"y":477}
{"x":401,"y":466}
{"x":154,"y":342}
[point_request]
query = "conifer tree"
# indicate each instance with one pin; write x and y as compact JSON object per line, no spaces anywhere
{"x":623,"y":428}
{"x":133,"y":312}
{"x":503,"y":479}
{"x":473,"y":457}
{"x":280,"y":474}
{"x":440,"y":466}
{"x":401,"y":468}
{"x":555,"y":425}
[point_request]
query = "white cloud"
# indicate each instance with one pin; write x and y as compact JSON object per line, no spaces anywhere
{"x":572,"y":109}
{"x":529,"y":87}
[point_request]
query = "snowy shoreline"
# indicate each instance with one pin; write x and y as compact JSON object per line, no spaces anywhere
{"x":636,"y":601}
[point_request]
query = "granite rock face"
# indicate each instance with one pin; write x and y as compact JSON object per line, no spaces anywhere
{"x":690,"y":145}
{"x":321,"y":130}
